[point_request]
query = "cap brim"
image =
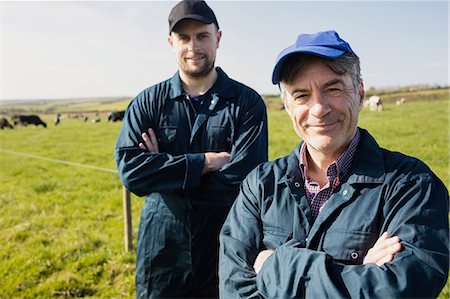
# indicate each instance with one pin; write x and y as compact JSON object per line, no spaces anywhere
{"x":326,"y":52}
{"x":198,"y":18}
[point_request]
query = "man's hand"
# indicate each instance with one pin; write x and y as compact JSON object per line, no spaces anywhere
{"x":215,"y":161}
{"x":261,"y":258}
{"x":150,"y":140}
{"x":383,"y":251}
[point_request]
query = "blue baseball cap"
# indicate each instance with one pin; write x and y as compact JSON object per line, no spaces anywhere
{"x":325,"y":44}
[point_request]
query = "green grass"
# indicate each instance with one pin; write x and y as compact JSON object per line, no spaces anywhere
{"x":61,"y":226}
{"x":419,"y":129}
{"x":410,"y":96}
{"x":63,"y":105}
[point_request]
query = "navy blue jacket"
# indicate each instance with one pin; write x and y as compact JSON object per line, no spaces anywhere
{"x":384,"y":191}
{"x":234,"y":119}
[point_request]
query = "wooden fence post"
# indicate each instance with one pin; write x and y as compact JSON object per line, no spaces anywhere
{"x":128,"y":229}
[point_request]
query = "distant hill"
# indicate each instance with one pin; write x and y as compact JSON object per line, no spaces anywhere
{"x":63,"y":105}
{"x":388,"y":96}
{"x":411,"y":94}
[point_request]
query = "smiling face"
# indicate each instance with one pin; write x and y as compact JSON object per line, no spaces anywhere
{"x":324,"y":108}
{"x":194,"y":45}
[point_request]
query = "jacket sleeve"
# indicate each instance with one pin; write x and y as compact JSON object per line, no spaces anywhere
{"x":143,"y":172}
{"x":249,"y":148}
{"x":240,"y":242}
{"x":416,"y":210}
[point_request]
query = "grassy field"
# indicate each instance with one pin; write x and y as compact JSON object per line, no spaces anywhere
{"x":61,"y":226}
{"x":63,"y":105}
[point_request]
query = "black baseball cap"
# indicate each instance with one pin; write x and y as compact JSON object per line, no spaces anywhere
{"x":192,"y":9}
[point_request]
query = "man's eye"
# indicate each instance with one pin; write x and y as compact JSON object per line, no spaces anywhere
{"x":301,"y":97}
{"x":334,"y":91}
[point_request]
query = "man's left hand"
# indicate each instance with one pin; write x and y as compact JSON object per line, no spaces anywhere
{"x":150,"y":141}
{"x":383,"y":251}
{"x":261,"y":258}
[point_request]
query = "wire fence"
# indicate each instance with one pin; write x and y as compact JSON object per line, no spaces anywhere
{"x":57,"y":161}
{"x":126,"y":198}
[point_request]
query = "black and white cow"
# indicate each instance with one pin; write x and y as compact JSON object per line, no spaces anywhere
{"x":116,"y":115}
{"x":25,"y":120}
{"x":4,"y":123}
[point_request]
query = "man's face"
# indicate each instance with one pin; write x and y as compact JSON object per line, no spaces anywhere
{"x":194,"y":45}
{"x":324,"y":108}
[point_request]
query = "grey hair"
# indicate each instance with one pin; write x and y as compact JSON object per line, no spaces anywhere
{"x":344,"y":64}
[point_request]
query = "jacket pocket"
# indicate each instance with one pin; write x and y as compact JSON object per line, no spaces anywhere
{"x":220,"y":138}
{"x":166,"y":135}
{"x":275,"y":236}
{"x":348,"y":247}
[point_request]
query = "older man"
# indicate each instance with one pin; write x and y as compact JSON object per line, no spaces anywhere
{"x":316,"y":223}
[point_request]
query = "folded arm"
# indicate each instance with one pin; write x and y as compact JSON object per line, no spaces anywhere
{"x":213,"y":161}
{"x":382,"y":252}
{"x":420,"y":269}
{"x":145,"y":171}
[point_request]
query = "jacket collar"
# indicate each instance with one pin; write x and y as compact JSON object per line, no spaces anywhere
{"x":367,"y":166}
{"x":222,"y":87}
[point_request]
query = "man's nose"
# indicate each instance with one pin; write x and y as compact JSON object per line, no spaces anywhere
{"x":193,"y":44}
{"x":320,"y":105}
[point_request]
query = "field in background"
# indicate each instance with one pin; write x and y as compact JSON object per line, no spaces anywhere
{"x":387,"y":96}
{"x":63,"y":106}
{"x":120,"y":103}
{"x":61,"y":226}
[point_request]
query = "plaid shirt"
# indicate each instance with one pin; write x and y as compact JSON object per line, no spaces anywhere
{"x":317,"y":197}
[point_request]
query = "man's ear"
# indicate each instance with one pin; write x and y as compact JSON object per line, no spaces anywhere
{"x":286,"y":108}
{"x":170,"y":40}
{"x":219,"y":36}
{"x":361,"y":94}
{"x":283,"y":96}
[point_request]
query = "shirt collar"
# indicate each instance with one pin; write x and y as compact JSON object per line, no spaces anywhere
{"x":339,"y":167}
{"x":222,"y":87}
{"x":367,"y":167}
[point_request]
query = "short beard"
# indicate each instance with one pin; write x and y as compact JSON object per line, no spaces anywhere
{"x":204,"y":72}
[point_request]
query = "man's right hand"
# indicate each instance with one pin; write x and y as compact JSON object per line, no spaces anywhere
{"x":383,"y":251}
{"x":215,"y":161}
{"x":150,"y":141}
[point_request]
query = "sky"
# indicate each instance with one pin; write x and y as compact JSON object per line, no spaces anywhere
{"x":79,"y":49}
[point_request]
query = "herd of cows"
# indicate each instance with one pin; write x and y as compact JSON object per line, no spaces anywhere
{"x":374,"y":103}
{"x":25,"y":120}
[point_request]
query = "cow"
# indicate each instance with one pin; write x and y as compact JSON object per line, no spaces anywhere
{"x":96,"y":119}
{"x":25,"y":120}
{"x":375,"y":103}
{"x":400,"y":101}
{"x":58,"y":119}
{"x":4,"y":123}
{"x":116,"y":116}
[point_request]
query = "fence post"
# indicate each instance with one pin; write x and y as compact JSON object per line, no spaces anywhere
{"x":128,"y":231}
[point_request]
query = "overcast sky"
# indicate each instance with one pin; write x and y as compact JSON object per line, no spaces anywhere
{"x":68,"y":49}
